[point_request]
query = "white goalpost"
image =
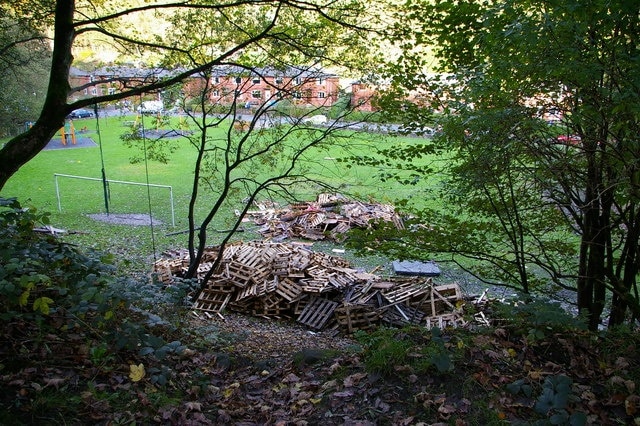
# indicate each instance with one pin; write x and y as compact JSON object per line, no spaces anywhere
{"x":148,"y":185}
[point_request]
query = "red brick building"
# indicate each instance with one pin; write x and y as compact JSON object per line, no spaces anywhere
{"x":361,"y":96}
{"x":302,"y":86}
{"x":305,"y":87}
{"x":109,"y":80}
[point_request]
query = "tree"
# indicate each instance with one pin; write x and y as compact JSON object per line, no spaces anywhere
{"x":269,"y":151}
{"x":245,"y":32}
{"x":24,"y":59}
{"x":505,"y":70}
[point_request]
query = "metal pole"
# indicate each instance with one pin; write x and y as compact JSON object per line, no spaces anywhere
{"x":105,"y":184}
{"x":173,"y":214}
{"x":58,"y":194}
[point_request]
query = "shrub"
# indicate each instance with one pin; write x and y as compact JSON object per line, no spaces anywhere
{"x":418,"y":348}
{"x":41,"y":276}
{"x":48,"y":287}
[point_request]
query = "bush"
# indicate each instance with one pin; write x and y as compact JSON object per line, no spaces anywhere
{"x":47,"y":286}
{"x":40,"y":276}
{"x":418,"y":348}
{"x":539,"y":317}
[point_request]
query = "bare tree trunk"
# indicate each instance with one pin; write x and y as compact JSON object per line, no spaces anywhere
{"x":19,"y":150}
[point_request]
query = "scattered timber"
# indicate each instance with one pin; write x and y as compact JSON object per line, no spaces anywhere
{"x":329,"y":217}
{"x":289,"y":281}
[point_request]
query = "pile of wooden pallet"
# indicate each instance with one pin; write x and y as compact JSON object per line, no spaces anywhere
{"x":289,"y":281}
{"x":329,"y":217}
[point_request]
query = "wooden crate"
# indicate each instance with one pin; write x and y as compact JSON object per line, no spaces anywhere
{"x":317,"y":312}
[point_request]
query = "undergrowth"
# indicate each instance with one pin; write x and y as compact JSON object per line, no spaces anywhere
{"x":56,"y":300}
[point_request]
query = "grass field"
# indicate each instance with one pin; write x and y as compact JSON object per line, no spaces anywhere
{"x":36,"y":185}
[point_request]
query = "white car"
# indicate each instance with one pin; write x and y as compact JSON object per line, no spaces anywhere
{"x":316,"y":119}
{"x":151,"y":107}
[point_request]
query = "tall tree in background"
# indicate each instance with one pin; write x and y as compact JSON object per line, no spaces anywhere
{"x":245,"y":32}
{"x":540,"y":109}
{"x":25,"y":58}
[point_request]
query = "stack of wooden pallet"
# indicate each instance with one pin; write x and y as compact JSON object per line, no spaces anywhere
{"x":329,"y":217}
{"x":278,"y":280}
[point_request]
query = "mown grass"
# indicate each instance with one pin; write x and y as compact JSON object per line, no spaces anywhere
{"x":35,"y":185}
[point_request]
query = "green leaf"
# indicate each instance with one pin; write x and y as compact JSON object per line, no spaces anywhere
{"x":578,"y":418}
{"x":442,"y":361}
{"x":559,"y":418}
{"x":42,"y":304}
{"x":24,"y":298}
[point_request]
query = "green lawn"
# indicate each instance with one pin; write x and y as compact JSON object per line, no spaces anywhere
{"x":35,"y":185}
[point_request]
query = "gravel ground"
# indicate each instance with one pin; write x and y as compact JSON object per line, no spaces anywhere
{"x":125,"y":219}
{"x":263,"y":339}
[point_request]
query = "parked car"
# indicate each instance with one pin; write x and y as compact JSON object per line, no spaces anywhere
{"x":151,"y":107}
{"x":316,"y":119}
{"x":569,"y":139}
{"x":81,"y":113}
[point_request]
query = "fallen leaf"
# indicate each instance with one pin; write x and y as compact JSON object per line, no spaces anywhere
{"x":193,"y":406}
{"x":136,"y":372}
{"x":631,"y":405}
{"x":54,"y":381}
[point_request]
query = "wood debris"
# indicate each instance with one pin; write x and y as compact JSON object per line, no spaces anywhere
{"x":329,"y":217}
{"x":289,"y":281}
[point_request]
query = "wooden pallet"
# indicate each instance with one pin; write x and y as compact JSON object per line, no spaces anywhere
{"x":288,"y":289}
{"x":410,"y":289}
{"x":271,"y":305}
{"x":210,"y":301}
{"x":317,"y":312}
{"x":444,"y":299}
{"x":314,"y":286}
{"x":401,"y":314}
{"x":301,"y":303}
{"x":443,"y":321}
{"x":352,"y":318}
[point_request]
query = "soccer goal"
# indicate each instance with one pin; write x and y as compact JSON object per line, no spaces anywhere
{"x":130,"y":198}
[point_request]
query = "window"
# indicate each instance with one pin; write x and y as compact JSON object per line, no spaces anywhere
{"x":279,"y":80}
{"x":298,"y":80}
{"x":320,"y":81}
{"x":112,"y":90}
{"x":322,"y":95}
{"x":238,"y":80}
{"x":216,"y":93}
{"x":256,"y":94}
{"x":256,"y":80}
{"x":297,"y":95}
{"x":94,"y":91}
{"x":216,"y":80}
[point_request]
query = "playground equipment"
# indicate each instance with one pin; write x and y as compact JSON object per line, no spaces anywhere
{"x":68,"y":132}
